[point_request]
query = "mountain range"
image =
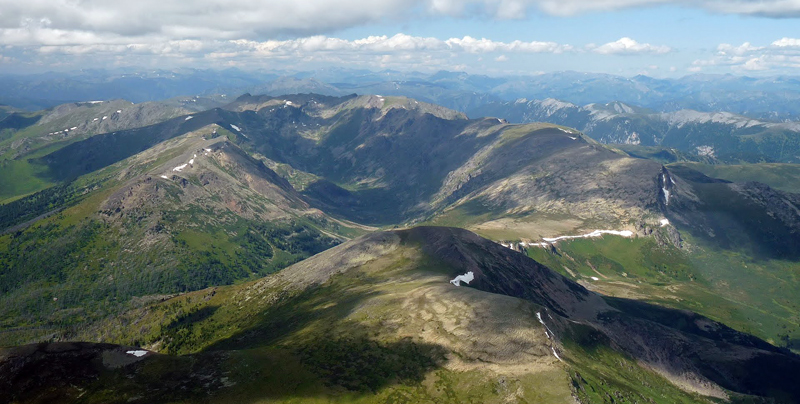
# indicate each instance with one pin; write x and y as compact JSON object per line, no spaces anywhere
{"x":229,"y":250}
{"x":772,"y":99}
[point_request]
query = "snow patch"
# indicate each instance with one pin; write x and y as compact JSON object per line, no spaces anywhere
{"x":289,"y":103}
{"x":191,"y":161}
{"x":596,"y":233}
{"x":119,"y":111}
{"x":95,"y":119}
{"x":622,"y":108}
{"x":466,"y":278}
{"x":105,"y":117}
{"x":236,"y":128}
{"x":705,"y":150}
{"x":594,"y":278}
{"x":180,"y":167}
{"x":664,"y":189}
{"x":552,"y":105}
{"x":165,"y":177}
{"x":137,"y":353}
{"x":188,"y":118}
{"x":555,"y":353}
{"x":664,"y":222}
{"x":73,"y":128}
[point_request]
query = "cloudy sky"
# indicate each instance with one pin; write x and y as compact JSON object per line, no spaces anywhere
{"x":660,"y":38}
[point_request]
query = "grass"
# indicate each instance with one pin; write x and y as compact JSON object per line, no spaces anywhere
{"x":785,"y":177}
{"x":707,"y":280}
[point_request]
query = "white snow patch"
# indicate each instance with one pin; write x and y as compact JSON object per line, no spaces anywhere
{"x":539,"y":244}
{"x":552,"y":105}
{"x":664,"y":189}
{"x":594,"y":278}
{"x":705,"y":150}
{"x":188,"y":118}
{"x":466,"y":278}
{"x":191,"y":161}
{"x":180,"y":167}
{"x":596,"y":233}
{"x":622,"y":108}
{"x":94,"y":102}
{"x":119,"y":111}
{"x":165,"y":177}
{"x":95,"y":119}
{"x":236,"y":128}
{"x":73,"y":128}
{"x":288,"y":103}
{"x":105,"y":117}
{"x":664,"y":222}
{"x":573,"y":137}
{"x":499,"y":120}
{"x":556,"y":353}
{"x":137,"y":353}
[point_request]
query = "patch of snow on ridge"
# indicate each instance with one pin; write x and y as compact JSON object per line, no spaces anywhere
{"x":622,"y":108}
{"x":664,"y":222}
{"x":165,"y":177}
{"x":596,"y":233}
{"x":705,"y":151}
{"x":594,"y":278}
{"x":555,"y":353}
{"x":235,"y":128}
{"x":137,"y":353}
{"x":188,"y":118}
{"x":664,"y":189}
{"x":180,"y":167}
{"x":551,"y":105}
{"x":466,"y":278}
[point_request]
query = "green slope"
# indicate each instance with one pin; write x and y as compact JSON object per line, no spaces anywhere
{"x":127,"y":233}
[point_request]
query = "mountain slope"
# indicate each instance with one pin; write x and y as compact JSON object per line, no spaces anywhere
{"x":720,"y":135}
{"x":188,"y":213}
{"x":25,"y":137}
{"x":378,"y":319}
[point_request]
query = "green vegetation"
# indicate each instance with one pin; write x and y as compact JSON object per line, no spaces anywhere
{"x":785,"y":177}
{"x":705,"y":279}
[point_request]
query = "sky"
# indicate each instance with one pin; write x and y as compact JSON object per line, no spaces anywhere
{"x":659,"y":38}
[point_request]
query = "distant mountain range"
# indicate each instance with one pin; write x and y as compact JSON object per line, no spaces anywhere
{"x":771,"y":99}
{"x":713,"y":135}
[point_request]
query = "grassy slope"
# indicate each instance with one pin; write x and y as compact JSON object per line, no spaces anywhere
{"x":362,"y":338}
{"x":785,"y":177}
{"x":755,"y":296}
{"x":81,"y":264}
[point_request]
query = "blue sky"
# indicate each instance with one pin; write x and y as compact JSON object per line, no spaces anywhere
{"x":627,"y":37}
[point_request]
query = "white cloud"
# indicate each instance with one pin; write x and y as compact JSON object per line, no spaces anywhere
{"x":743,"y":49}
{"x":483,"y":45}
{"x":781,"y":54}
{"x":787,"y":43}
{"x":501,"y":58}
{"x":92,"y":22}
{"x":629,"y":46}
